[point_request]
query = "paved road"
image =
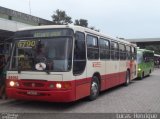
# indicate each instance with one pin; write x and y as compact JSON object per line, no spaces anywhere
{"x":142,"y":96}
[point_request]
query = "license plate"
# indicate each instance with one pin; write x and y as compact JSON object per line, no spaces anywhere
{"x":32,"y":93}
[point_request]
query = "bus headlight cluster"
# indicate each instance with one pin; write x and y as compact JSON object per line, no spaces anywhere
{"x":58,"y":85}
{"x":13,"y":84}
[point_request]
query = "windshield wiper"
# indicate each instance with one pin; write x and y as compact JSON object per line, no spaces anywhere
{"x":19,"y":68}
{"x":47,"y":68}
{"x":48,"y":71}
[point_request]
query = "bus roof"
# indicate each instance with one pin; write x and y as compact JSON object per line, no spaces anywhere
{"x":156,"y":55}
{"x":76,"y":28}
{"x":145,"y":50}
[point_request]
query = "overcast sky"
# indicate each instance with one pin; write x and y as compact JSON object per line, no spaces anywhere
{"x":118,"y":18}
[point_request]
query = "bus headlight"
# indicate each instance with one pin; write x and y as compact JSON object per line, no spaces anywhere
{"x":139,"y":69}
{"x":58,"y":85}
{"x":12,"y":83}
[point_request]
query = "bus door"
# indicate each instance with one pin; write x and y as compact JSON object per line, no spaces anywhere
{"x":79,"y":66}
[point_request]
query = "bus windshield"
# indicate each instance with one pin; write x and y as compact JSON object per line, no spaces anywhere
{"x":39,"y":54}
{"x":139,"y":57}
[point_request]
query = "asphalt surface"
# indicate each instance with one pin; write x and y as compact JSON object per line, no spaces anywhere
{"x":141,"y":96}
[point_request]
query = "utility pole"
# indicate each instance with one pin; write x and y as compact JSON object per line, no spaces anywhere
{"x":29,"y":7}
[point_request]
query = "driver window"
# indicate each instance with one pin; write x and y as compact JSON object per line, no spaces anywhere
{"x":79,"y":61}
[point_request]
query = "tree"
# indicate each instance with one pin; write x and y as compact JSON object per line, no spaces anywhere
{"x":61,"y":18}
{"x":81,"y":22}
{"x":155,"y":48}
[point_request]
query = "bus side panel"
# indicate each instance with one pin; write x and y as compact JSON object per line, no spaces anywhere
{"x":122,"y":77}
{"x":83,"y":88}
{"x":109,"y":78}
{"x":122,"y":70}
{"x":94,"y":67}
{"x":133,"y":70}
{"x":102,"y":72}
{"x":111,"y":73}
{"x":82,"y":85}
{"x":103,"y":82}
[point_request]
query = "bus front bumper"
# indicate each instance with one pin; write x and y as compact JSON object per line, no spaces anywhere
{"x":36,"y":95}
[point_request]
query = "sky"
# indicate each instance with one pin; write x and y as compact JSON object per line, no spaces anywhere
{"x":118,"y":18}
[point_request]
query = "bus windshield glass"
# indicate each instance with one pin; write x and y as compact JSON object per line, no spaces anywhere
{"x":139,"y":57}
{"x":40,"y":54}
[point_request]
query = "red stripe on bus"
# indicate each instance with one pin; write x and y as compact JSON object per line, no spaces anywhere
{"x":79,"y":89}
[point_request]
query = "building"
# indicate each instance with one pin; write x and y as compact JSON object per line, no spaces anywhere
{"x":147,"y":43}
{"x":143,"y":42}
{"x":11,"y":20}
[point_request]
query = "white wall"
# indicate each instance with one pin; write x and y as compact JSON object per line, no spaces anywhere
{"x":9,"y":25}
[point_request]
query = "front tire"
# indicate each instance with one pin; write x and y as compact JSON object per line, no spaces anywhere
{"x":3,"y":93}
{"x":142,"y":75}
{"x":4,"y":96}
{"x":95,"y":88}
{"x":149,"y":72}
{"x":127,"y":78}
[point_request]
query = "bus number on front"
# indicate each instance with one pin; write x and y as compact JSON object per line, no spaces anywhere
{"x":13,"y":77}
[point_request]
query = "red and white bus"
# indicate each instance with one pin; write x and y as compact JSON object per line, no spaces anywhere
{"x":61,"y":63}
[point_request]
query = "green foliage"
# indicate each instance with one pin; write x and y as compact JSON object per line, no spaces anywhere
{"x":81,"y":22}
{"x":155,"y":48}
{"x":61,"y":18}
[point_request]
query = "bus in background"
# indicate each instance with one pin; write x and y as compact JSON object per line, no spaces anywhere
{"x":145,"y":59}
{"x":156,"y":61}
{"x":61,"y":63}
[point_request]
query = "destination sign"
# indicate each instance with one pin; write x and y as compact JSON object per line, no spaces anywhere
{"x":47,"y":34}
{"x":42,"y":33}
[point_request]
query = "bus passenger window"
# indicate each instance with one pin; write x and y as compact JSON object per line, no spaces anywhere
{"x":92,"y":47}
{"x":114,"y":51}
{"x":104,"y":49}
{"x":128,"y":51}
{"x":122,"y":51}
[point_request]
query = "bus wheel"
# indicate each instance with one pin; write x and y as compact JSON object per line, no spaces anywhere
{"x":127,"y":78}
{"x":94,"y":91}
{"x":149,"y":72}
{"x":3,"y":96}
{"x":142,"y":75}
